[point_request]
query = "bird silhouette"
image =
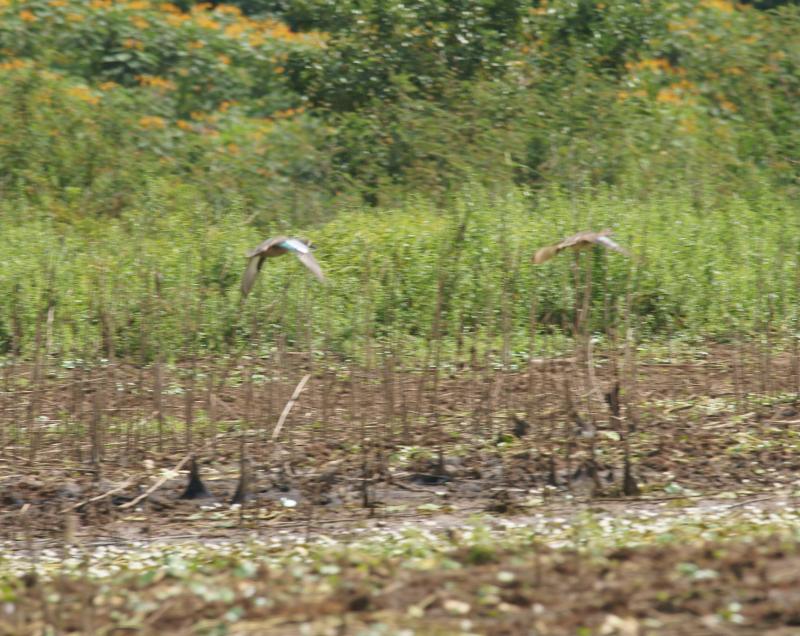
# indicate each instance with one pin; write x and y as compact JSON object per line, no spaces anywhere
{"x":278,"y":246}
{"x":579,"y":241}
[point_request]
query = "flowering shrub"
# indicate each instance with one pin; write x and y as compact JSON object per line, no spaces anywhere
{"x":194,"y":60}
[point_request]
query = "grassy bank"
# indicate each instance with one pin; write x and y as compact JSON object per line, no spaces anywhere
{"x":165,"y":275}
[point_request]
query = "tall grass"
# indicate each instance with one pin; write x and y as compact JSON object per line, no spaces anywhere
{"x":164,"y":276}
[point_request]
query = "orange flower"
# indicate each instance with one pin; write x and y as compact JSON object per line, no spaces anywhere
{"x":13,"y":65}
{"x":684,"y":25}
{"x":27,"y":16}
{"x":229,"y":9}
{"x":688,"y":125}
{"x":176,"y":19}
{"x":153,"y":81}
{"x":83,"y":93}
{"x":236,"y":29}
{"x":256,"y":39}
{"x":720,"y":5}
{"x":205,"y":22}
{"x":668,"y":96}
{"x":152,"y":122}
{"x":656,"y":65}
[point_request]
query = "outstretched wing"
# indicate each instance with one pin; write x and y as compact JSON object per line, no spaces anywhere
{"x":307,"y":258}
{"x":250,"y":273}
{"x":581,"y":239}
{"x":267,"y":245}
{"x":303,"y":252}
{"x":545,"y":254}
{"x":604,"y":240}
{"x":257,"y":256}
{"x":578,"y":241}
{"x":274,"y":247}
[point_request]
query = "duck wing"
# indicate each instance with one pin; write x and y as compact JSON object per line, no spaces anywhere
{"x":303,"y":252}
{"x":267,"y":245}
{"x":611,"y":244}
{"x":256,"y":258}
{"x":579,"y":241}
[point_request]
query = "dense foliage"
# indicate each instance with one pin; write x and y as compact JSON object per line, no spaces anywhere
{"x":141,"y":138}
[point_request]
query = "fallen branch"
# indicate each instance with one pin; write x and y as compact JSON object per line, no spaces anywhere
{"x":287,"y":409}
{"x":157,"y":485}
{"x":740,"y":504}
{"x":113,"y":491}
{"x":679,"y":407}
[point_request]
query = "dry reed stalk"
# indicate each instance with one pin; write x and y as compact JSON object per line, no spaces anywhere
{"x":16,"y":322}
{"x":243,"y":486}
{"x":530,"y":410}
{"x":188,"y":408}
{"x":289,"y":405}
{"x":158,"y":483}
{"x":247,"y":372}
{"x":35,"y":394}
{"x":6,"y":406}
{"x":211,"y":413}
{"x":403,"y":390}
{"x":96,"y":429}
{"x":51,"y":316}
{"x":796,"y":335}
{"x":388,"y":381}
{"x":768,"y":340}
{"x":486,"y":407}
{"x":158,"y":402}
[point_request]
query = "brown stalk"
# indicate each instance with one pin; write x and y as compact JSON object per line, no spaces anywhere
{"x":159,"y":482}
{"x":158,"y":403}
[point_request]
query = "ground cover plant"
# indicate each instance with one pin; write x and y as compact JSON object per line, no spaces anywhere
{"x":444,"y":438}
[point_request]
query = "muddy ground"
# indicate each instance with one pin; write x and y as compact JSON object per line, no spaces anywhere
{"x":480,"y":499}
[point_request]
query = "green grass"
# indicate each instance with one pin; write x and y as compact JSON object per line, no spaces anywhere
{"x":164,"y":277}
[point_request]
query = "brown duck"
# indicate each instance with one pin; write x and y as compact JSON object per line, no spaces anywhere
{"x":279,"y":246}
{"x":579,"y":241}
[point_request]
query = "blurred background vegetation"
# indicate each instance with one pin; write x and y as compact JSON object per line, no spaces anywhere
{"x":428,"y":147}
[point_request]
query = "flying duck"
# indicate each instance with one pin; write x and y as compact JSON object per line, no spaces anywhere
{"x":579,"y":241}
{"x":278,"y":246}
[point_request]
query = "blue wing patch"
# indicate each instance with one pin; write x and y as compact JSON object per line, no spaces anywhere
{"x":295,"y":246}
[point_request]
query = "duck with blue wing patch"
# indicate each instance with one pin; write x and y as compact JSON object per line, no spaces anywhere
{"x":278,"y":246}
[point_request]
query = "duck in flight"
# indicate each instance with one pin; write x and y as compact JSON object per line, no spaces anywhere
{"x":579,"y":241}
{"x":279,"y":246}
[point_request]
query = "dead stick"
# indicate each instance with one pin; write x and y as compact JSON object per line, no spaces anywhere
{"x":122,"y":486}
{"x":286,"y":409}
{"x":158,"y":484}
